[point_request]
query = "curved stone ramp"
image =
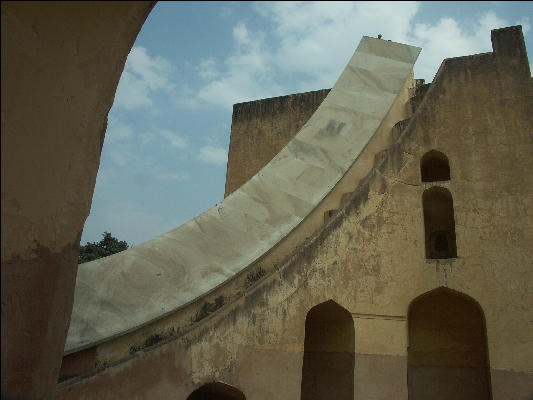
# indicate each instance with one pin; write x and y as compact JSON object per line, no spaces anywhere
{"x":120,"y":293}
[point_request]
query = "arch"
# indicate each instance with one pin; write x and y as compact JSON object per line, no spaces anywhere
{"x":216,"y":391}
{"x":447,"y":353}
{"x":434,"y":166}
{"x":329,"y":356}
{"x":439,"y":223}
{"x":51,"y":50}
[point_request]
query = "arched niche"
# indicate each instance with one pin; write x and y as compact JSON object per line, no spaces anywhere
{"x":447,"y":354}
{"x":439,"y":223}
{"x":216,"y":391}
{"x":434,"y":166}
{"x":329,"y":358}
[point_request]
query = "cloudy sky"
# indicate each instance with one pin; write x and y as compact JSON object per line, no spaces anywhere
{"x":165,"y":151}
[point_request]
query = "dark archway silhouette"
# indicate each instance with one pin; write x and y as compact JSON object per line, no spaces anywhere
{"x":439,"y":223}
{"x":447,"y":354}
{"x":216,"y":391}
{"x":329,"y":358}
{"x":434,"y":166}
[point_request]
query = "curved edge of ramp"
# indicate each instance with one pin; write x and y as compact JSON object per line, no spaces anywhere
{"x":117,"y":294}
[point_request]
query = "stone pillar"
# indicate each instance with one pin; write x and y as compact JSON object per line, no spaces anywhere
{"x":61,"y":63}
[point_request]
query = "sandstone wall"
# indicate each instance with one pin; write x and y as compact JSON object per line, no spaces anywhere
{"x":370,"y":258}
{"x":268,"y":125}
{"x":61,"y":63}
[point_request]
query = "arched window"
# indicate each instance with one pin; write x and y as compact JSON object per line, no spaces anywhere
{"x":328,"y":364}
{"x":216,"y":391}
{"x":439,"y":223}
{"x":447,"y":354}
{"x":434,"y":166}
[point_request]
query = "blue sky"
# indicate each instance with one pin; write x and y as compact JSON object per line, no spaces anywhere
{"x":165,"y":151}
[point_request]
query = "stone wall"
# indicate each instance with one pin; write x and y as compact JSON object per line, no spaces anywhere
{"x":261,"y":128}
{"x":61,"y":63}
{"x":369,"y":258}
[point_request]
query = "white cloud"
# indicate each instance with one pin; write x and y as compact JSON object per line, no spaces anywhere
{"x":313,"y":42}
{"x":117,"y":130}
{"x":188,"y":98}
{"x":143,"y":76}
{"x":318,"y":38}
{"x":117,"y":136}
{"x":248,"y":72}
{"x":526,"y":24}
{"x":207,"y":69}
{"x":147,"y":137}
{"x":447,"y":38}
{"x":174,"y":139}
{"x":213,"y":155}
{"x":119,"y":156}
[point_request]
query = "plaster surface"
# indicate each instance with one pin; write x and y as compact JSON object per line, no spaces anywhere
{"x":369,"y":258}
{"x":269,"y":125}
{"x":128,"y":290}
{"x":61,"y":63}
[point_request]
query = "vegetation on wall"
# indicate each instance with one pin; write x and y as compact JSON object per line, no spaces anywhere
{"x":254,"y":276}
{"x":105,"y":247}
{"x":208,"y":308}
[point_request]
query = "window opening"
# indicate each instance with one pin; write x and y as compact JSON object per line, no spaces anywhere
{"x":434,"y":166}
{"x":439,"y":223}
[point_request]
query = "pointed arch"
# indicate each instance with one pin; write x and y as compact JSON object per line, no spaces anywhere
{"x":216,"y":391}
{"x":447,"y":353}
{"x":329,"y":355}
{"x":434,"y":166}
{"x":439,"y":223}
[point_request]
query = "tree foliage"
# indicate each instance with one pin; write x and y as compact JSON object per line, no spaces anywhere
{"x":107,"y":246}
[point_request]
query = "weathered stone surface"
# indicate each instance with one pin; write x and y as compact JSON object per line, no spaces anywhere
{"x":128,"y":290}
{"x":61,"y":63}
{"x":268,"y":125}
{"x":370,"y":259}
{"x":249,"y":331}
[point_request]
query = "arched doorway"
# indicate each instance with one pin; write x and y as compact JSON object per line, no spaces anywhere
{"x":447,"y":354}
{"x":216,"y":391}
{"x":328,"y":364}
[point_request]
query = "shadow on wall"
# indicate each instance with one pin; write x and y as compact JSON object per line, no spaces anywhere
{"x":447,"y":354}
{"x":329,"y":358}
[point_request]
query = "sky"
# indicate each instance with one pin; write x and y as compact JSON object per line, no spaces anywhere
{"x":165,"y":151}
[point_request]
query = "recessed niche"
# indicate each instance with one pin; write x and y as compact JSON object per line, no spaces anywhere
{"x":329,"y":353}
{"x":434,"y":167}
{"x":439,"y":223}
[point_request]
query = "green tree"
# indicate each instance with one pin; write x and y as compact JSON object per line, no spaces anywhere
{"x":107,"y":246}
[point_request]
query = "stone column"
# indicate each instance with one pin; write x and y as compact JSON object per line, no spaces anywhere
{"x":61,"y":63}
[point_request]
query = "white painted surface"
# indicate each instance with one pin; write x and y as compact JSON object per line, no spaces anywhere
{"x":116,"y":294}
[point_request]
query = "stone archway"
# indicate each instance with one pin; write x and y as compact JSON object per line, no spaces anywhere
{"x":447,"y":354}
{"x":216,"y":391}
{"x":61,"y":63}
{"x":329,"y":353}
